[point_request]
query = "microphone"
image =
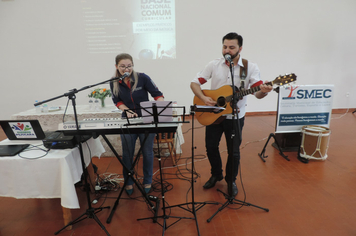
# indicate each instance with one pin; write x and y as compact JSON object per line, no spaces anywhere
{"x":228,"y":58}
{"x":126,"y":74}
{"x":118,"y":79}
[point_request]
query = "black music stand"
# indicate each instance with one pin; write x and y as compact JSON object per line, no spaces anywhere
{"x":155,"y":114}
{"x":193,"y":209}
{"x":90,"y":211}
{"x":230,"y":199}
{"x":141,"y":128}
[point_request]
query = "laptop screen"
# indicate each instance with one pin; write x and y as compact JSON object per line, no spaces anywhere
{"x":22,"y":129}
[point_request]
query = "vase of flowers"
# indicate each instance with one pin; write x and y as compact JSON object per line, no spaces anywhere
{"x":100,"y":94}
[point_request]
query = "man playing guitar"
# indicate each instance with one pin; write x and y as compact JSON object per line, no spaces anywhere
{"x":218,"y":71}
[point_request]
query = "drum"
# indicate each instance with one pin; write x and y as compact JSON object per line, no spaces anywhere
{"x":315,"y":142}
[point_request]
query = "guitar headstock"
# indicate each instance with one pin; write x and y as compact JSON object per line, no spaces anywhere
{"x":285,"y":79}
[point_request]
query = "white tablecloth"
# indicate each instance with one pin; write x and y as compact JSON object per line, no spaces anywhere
{"x":51,"y":176}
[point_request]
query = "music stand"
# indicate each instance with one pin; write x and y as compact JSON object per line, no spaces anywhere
{"x":194,"y":109}
{"x":90,"y":211}
{"x":229,"y":196}
{"x":153,"y":111}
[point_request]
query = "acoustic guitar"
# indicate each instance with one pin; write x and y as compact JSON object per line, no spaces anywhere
{"x":223,"y":98}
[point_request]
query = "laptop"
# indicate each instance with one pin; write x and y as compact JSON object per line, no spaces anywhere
{"x":12,"y":149}
{"x":164,"y":111}
{"x":22,"y":129}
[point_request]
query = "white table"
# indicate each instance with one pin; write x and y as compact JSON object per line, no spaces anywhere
{"x":51,"y":176}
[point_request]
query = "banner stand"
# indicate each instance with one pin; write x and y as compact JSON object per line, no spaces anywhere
{"x":276,"y":145}
{"x":287,"y":142}
{"x":299,"y":106}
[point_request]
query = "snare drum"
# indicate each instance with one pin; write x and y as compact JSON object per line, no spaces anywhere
{"x":315,"y":142}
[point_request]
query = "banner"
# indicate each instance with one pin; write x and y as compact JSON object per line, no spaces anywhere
{"x":300,"y":105}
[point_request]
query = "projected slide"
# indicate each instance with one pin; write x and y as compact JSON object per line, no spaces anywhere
{"x":143,"y":28}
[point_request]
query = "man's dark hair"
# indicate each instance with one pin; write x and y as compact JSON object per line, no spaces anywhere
{"x":234,"y":35}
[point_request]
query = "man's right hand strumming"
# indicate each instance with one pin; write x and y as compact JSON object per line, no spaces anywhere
{"x":208,"y":101}
{"x":199,"y":93}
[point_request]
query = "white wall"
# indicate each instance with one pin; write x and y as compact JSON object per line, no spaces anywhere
{"x":43,"y":51}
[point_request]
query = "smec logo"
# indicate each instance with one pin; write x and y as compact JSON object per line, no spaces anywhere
{"x":314,"y":94}
{"x":291,"y":95}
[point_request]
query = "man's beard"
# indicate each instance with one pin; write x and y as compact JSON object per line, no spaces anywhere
{"x":234,"y":56}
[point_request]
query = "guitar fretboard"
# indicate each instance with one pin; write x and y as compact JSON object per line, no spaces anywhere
{"x":244,"y":92}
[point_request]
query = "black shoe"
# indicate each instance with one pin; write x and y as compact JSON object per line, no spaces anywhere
{"x":212,"y":181}
{"x":234,"y":189}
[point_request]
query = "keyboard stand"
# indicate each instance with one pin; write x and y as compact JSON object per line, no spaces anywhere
{"x":131,"y":174}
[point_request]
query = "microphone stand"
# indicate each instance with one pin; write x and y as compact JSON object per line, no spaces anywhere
{"x":74,"y":91}
{"x":229,"y":196}
{"x":90,"y":212}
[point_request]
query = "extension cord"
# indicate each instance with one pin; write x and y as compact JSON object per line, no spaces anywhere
{"x":153,"y":198}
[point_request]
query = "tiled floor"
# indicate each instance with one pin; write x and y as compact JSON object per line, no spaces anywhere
{"x":318,"y":198}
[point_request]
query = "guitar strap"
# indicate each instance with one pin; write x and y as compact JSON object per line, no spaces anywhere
{"x":243,"y":73}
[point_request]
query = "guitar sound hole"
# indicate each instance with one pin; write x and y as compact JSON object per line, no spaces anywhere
{"x":221,"y":102}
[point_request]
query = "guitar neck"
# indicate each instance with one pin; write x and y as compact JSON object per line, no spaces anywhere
{"x":248,"y":91}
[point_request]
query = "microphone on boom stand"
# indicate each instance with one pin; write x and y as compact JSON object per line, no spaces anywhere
{"x":126,"y":74}
{"x":228,"y":58}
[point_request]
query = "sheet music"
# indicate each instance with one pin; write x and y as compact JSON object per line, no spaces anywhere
{"x":164,"y":109}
